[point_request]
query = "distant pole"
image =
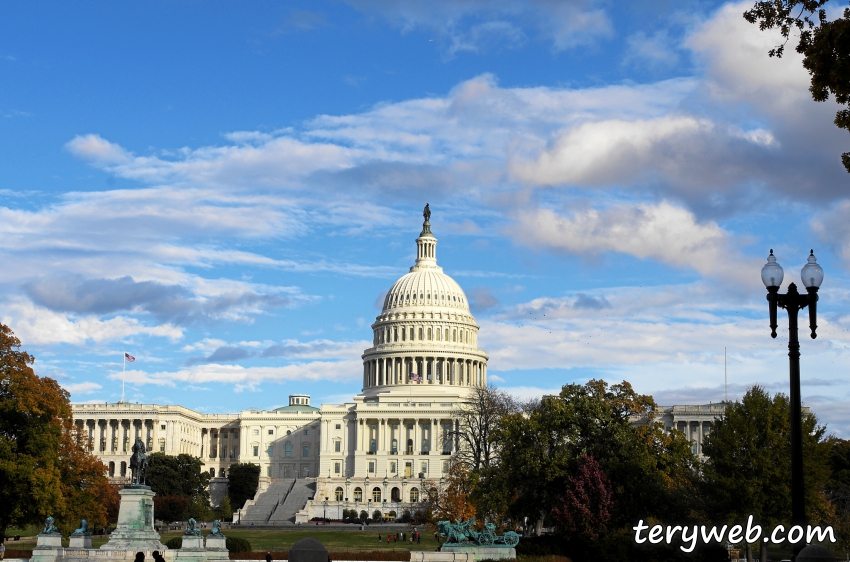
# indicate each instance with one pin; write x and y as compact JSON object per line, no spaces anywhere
{"x":725,"y":376}
{"x":123,"y":370}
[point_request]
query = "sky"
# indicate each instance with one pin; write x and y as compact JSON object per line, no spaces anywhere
{"x":227,"y":190}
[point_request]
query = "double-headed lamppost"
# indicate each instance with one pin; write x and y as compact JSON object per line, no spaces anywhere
{"x":793,"y":302}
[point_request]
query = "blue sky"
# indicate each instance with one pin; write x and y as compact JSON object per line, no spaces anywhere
{"x":225,"y":190}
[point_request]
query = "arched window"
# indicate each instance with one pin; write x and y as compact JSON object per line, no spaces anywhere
{"x":305,"y":450}
{"x":358,"y":494}
{"x":338,"y":494}
{"x":420,"y":334}
{"x":414,"y":495}
{"x":123,"y":469}
{"x":223,"y":475}
{"x":411,"y":334}
{"x":454,"y":335}
{"x":212,"y":473}
{"x":287,"y":449}
{"x":429,"y":334}
{"x":111,"y":468}
{"x":395,"y":495}
{"x":376,"y":494}
{"x":447,"y":334}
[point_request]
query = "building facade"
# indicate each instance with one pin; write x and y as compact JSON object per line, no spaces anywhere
{"x":380,"y":452}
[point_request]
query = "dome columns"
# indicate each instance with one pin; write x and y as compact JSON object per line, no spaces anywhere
{"x":433,"y":369}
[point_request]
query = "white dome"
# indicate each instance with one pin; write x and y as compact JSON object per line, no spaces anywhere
{"x":426,"y":287}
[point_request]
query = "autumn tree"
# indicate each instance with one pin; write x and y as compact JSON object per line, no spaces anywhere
{"x":824,"y":44}
{"x":588,"y":502}
{"x":32,"y":411}
{"x":748,"y":466}
{"x":84,"y":485}
{"x":180,"y":476}
{"x":451,"y":500}
{"x":478,"y":419}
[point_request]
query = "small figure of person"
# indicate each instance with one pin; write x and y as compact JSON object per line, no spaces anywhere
{"x":379,"y":537}
{"x":140,"y":557}
{"x":268,"y":556}
{"x":418,"y":538}
{"x":388,"y":539}
{"x":157,"y":556}
{"x":2,"y":550}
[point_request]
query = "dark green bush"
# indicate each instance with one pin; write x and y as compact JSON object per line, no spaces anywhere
{"x":175,"y":543}
{"x":235,"y":544}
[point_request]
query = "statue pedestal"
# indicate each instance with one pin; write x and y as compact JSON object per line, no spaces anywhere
{"x":80,"y":541}
{"x":191,"y":542}
{"x":217,"y":548}
{"x":135,"y":522}
{"x":192,"y":550}
{"x":48,"y":548}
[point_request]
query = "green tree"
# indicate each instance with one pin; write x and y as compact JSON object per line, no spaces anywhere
{"x":32,"y":410}
{"x":824,"y":44}
{"x":171,"y":508}
{"x":182,"y":475}
{"x":748,"y":469}
{"x":225,"y":510}
{"x":243,"y":480}
{"x":649,"y":471}
{"x":838,"y":490}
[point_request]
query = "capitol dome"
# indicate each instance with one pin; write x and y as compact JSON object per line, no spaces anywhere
{"x":425,"y":334}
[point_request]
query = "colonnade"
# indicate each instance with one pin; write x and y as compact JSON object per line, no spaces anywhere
{"x":220,"y":443}
{"x":406,"y":435}
{"x":695,"y":431}
{"x":439,"y":369}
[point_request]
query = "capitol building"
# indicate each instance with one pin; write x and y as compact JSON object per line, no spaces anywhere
{"x":381,"y":451}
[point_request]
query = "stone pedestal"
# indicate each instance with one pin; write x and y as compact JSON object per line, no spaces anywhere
{"x":80,"y":541}
{"x":217,"y":548}
{"x":191,"y":542}
{"x":192,"y":550}
{"x":479,"y":552}
{"x":48,"y":548}
{"x":135,"y":529}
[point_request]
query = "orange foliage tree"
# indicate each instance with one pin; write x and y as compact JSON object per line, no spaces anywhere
{"x":450,"y":501}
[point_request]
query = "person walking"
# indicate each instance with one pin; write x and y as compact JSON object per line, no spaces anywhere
{"x":2,"y":550}
{"x":268,"y":556}
{"x":379,"y":537}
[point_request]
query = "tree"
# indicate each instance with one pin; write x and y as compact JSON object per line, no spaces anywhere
{"x":748,"y":469}
{"x":478,"y":420}
{"x":84,"y":484}
{"x":838,"y":490}
{"x":182,"y":475}
{"x":451,"y":501}
{"x":824,"y":44}
{"x":588,"y":503}
{"x":171,"y":508}
{"x":243,"y":480}
{"x":32,"y":411}
{"x":225,"y":510}
{"x":542,"y":449}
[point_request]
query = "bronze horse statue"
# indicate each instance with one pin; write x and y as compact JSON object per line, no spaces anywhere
{"x":138,"y":463}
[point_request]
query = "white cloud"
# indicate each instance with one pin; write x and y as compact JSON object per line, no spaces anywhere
{"x":81,"y":387}
{"x":662,"y":232}
{"x":40,"y":326}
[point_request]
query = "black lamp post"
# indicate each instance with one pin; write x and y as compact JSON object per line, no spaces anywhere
{"x":793,"y":302}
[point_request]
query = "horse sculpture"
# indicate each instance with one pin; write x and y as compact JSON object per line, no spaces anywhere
{"x":138,"y":463}
{"x":463,"y":533}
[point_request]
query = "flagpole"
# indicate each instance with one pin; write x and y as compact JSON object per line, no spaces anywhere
{"x":123,"y":370}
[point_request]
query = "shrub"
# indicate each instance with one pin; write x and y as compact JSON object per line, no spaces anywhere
{"x":363,"y":515}
{"x":376,"y":516}
{"x":235,"y":544}
{"x":176,"y":542}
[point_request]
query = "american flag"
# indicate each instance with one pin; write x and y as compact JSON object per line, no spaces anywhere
{"x":414,"y":377}
{"x":129,"y":357}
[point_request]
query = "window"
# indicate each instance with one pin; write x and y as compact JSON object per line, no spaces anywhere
{"x":256,"y":450}
{"x":337,"y":446}
{"x":270,"y":450}
{"x":358,"y":494}
{"x":420,"y":333}
{"x":306,"y":432}
{"x":305,"y":451}
{"x":256,"y":432}
{"x":337,"y":467}
{"x":162,"y":445}
{"x":287,"y":449}
{"x":424,"y":467}
{"x":271,"y":432}
{"x":111,"y":468}
{"x":162,"y":426}
{"x":338,"y":494}
{"x":393,"y":467}
{"x":223,"y":474}
{"x":371,"y":466}
{"x":212,"y":473}
{"x":414,"y":495}
{"x":445,"y":466}
{"x":123,"y":468}
{"x":288,"y":432}
{"x":376,"y":494}
{"x":373,"y":445}
{"x":338,"y":426}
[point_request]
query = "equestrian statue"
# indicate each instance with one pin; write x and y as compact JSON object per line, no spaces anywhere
{"x":138,"y":463}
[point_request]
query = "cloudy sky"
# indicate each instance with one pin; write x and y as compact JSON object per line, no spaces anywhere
{"x":226,"y":192}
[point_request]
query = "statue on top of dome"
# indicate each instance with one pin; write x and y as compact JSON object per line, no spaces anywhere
{"x":427,"y":213}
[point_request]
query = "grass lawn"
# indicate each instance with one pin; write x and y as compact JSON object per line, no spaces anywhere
{"x":337,"y":541}
{"x":279,"y":540}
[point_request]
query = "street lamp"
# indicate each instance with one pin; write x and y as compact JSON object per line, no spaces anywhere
{"x":326,"y":512}
{"x":793,"y":302}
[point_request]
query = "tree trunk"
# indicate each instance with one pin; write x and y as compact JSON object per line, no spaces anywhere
{"x":763,"y":552}
{"x":749,"y":552}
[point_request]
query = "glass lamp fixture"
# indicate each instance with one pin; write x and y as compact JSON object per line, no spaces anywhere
{"x":811,"y":274}
{"x":772,"y":274}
